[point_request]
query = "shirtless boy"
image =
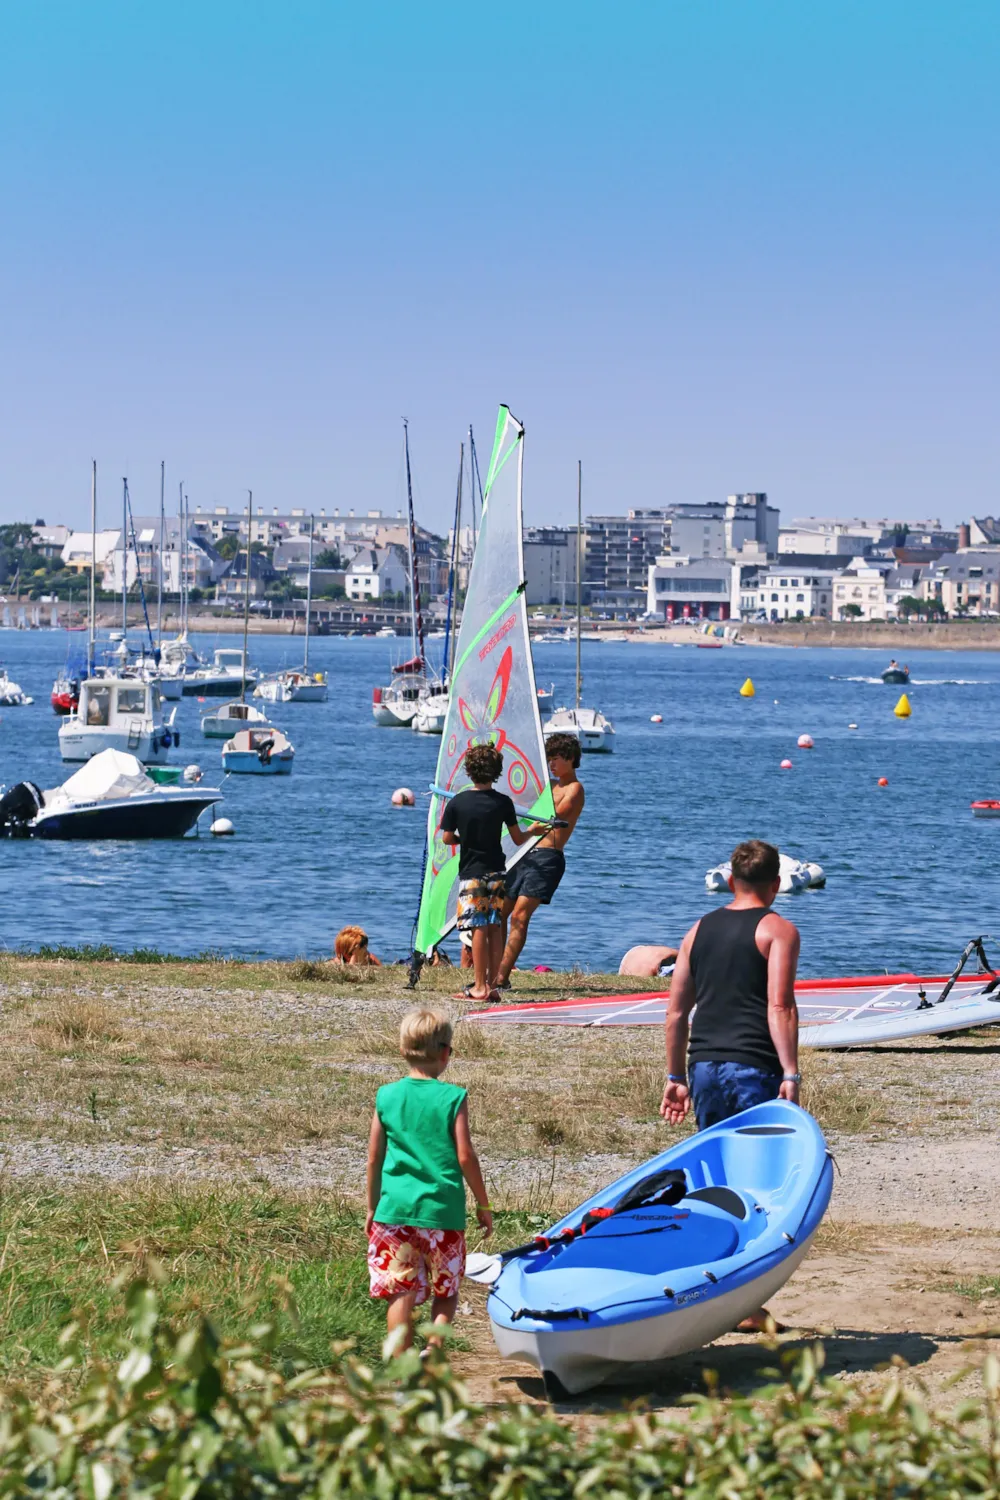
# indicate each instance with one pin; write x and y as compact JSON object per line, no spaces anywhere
{"x":533,"y":880}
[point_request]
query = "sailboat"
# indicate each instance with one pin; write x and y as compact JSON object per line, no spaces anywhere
{"x":297,"y":685}
{"x":394,"y":706}
{"x":257,"y":748}
{"x":432,"y":711}
{"x":592,"y":728}
{"x":492,"y":698}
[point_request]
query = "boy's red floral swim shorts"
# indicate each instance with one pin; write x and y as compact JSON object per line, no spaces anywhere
{"x":402,"y":1257}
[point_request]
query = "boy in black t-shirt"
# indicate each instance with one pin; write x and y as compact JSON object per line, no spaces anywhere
{"x":475,"y":820}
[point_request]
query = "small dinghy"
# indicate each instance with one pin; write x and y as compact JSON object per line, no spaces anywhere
{"x":667,"y":1258}
{"x":989,"y":807}
{"x":258,"y":752}
{"x":896,"y":675}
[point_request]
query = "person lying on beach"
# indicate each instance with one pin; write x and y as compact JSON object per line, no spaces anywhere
{"x":420,"y":1156}
{"x":351,"y":947}
{"x":475,"y":820}
{"x":535,"y":878}
{"x":649,"y":961}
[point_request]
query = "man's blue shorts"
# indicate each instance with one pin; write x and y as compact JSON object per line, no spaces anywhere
{"x":720,"y":1090}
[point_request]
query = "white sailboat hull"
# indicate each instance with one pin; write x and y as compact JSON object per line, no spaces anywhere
{"x":595,"y":733}
{"x":431,"y":715}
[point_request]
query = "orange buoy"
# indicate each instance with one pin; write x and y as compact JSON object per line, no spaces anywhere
{"x":883,"y":781}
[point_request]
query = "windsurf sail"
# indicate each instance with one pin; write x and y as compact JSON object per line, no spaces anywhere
{"x":492,"y":698}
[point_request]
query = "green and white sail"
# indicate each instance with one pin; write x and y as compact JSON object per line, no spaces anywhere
{"x":492,"y":697}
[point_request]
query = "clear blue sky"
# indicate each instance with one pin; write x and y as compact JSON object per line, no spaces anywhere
{"x":702,"y":246}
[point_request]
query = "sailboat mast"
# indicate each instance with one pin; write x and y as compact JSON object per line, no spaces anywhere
{"x":124,"y":560}
{"x":246,"y":602}
{"x":450,"y":632}
{"x":416,"y":621}
{"x":309,"y":592}
{"x":159,"y":570}
{"x":93,"y":565}
{"x":579,"y":570}
{"x":181,"y":559}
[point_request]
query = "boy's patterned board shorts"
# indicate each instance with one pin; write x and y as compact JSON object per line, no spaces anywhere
{"x":480,"y":902}
{"x":402,"y":1257}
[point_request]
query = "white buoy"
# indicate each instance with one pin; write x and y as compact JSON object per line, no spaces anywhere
{"x":192,"y":773}
{"x":222,"y":828}
{"x":403,"y":797}
{"x":656,"y":718}
{"x":805,"y":742}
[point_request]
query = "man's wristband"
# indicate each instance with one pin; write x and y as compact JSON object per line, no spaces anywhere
{"x":791,"y":1077}
{"x":677,"y":1078}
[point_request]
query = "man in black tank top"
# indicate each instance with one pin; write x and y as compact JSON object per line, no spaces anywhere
{"x":736,"y":971}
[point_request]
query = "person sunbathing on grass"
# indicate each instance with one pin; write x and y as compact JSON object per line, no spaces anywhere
{"x":351,"y":947}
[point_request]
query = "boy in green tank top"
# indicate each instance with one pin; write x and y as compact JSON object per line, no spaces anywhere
{"x":420,"y":1156}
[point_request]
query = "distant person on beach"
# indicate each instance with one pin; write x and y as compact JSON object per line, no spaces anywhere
{"x":351,"y":947}
{"x":649,"y":961}
{"x":737,"y":965}
{"x":535,"y":878}
{"x":420,"y":1156}
{"x":475,"y":820}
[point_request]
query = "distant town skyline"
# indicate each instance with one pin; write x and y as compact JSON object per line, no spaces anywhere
{"x":706,"y":250}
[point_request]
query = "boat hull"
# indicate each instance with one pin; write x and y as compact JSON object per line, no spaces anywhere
{"x":77,"y":744}
{"x":225,"y":686}
{"x":64,"y":703}
{"x":400,"y":717}
{"x":249,"y":763}
{"x":156,"y":817}
{"x":627,"y":1353}
{"x":895,"y":678}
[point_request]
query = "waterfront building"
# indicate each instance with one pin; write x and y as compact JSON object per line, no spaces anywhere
{"x":784,"y":592}
{"x":688,"y":588}
{"x":964,"y":583}
{"x":550,"y":564}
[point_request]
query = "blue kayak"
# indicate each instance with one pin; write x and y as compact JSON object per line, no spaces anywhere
{"x":701,"y":1236}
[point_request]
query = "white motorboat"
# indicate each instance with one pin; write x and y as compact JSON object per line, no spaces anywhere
{"x":11,"y":693}
{"x":386,"y":633}
{"x":229,"y":669}
{"x":111,"y":797}
{"x":293,"y":686}
{"x":258,"y":752}
{"x":595,"y":732}
{"x":431,"y":713}
{"x":223,"y":722}
{"x":118,"y":713}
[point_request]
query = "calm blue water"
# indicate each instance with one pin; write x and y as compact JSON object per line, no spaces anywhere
{"x":911,"y":874}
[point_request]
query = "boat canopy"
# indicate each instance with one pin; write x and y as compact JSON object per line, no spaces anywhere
{"x":111,"y":773}
{"x":415,"y":664}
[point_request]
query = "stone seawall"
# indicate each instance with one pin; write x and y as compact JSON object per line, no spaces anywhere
{"x":941,"y":635}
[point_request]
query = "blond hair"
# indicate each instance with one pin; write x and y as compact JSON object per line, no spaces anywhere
{"x":423,"y":1035}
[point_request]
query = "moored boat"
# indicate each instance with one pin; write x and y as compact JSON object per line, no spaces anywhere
{"x":595,"y":732}
{"x":228,"y":670}
{"x":12,"y":695}
{"x":223,"y":721}
{"x":989,"y":807}
{"x":653,"y":1277}
{"x":111,"y":797}
{"x":258,"y":752}
{"x":118,"y":713}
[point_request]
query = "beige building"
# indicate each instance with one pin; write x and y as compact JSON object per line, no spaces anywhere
{"x":964,"y":583}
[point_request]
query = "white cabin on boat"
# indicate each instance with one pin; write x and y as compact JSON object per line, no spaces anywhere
{"x":118,"y":713}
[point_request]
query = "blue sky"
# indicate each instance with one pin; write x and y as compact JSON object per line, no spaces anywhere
{"x":702,"y":246}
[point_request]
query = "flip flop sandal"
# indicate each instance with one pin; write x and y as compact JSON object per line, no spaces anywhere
{"x":479,"y":999}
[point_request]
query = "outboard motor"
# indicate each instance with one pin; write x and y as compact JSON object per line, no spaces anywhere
{"x":18,"y":807}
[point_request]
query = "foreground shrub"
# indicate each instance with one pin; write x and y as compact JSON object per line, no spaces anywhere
{"x":183,"y":1417}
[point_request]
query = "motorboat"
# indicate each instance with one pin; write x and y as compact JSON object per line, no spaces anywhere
{"x":111,"y":797}
{"x":546,"y":697}
{"x":595,"y":732}
{"x":989,"y":807}
{"x":227,"y":672}
{"x":386,"y":633}
{"x":668,"y":1258}
{"x":794,"y":874}
{"x":65,"y":693}
{"x":12,"y":695}
{"x":295,"y":685}
{"x":431,"y":713}
{"x":118,"y":713}
{"x":258,"y":752}
{"x":551,"y":638}
{"x":223,"y":721}
{"x":896,"y":674}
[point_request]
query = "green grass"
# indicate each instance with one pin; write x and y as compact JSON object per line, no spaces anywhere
{"x":977,"y":1288}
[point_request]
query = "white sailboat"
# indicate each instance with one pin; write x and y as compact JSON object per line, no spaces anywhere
{"x":492,"y":689}
{"x":394,"y":706}
{"x":432,"y":711}
{"x":593,"y":729}
{"x":297,"y":685}
{"x":12,"y":695}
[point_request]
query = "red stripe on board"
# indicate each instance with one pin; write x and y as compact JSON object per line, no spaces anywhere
{"x":853,"y":982}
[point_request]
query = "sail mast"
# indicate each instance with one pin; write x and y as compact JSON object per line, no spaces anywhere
{"x":449,"y":630}
{"x":579,"y":594}
{"x":124,"y":560}
{"x":159,"y":571}
{"x":246,"y":600}
{"x":416,"y":620}
{"x":309,"y":591}
{"x":93,"y":565}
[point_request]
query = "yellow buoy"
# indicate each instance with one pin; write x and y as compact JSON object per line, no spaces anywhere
{"x":747,"y":690}
{"x":902,"y":709}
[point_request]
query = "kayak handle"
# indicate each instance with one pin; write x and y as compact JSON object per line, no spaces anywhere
{"x":551,"y":1314}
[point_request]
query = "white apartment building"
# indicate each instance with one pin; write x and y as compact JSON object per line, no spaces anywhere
{"x":829,"y":539}
{"x":723,"y":530}
{"x":687,"y":588}
{"x":780,"y":593}
{"x":375,"y":572}
{"x":77,"y":549}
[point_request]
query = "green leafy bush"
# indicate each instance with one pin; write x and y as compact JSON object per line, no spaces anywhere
{"x":184,"y":1417}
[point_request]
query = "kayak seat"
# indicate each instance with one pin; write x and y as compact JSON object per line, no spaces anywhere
{"x":633,"y":1245}
{"x":721,"y":1197}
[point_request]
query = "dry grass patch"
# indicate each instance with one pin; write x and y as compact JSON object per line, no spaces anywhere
{"x":85,"y":1023}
